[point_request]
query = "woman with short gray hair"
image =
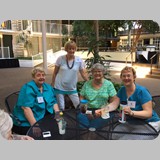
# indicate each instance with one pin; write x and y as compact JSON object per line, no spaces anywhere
{"x":99,"y":92}
{"x":36,"y":100}
{"x":98,"y":66}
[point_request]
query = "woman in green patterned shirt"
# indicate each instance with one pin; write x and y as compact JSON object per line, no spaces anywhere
{"x":99,"y":92}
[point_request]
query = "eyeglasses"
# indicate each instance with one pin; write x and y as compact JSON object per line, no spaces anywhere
{"x":97,"y":71}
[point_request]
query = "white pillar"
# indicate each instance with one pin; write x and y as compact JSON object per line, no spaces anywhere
{"x":2,"y":48}
{"x":44,"y":46}
{"x":151,"y":41}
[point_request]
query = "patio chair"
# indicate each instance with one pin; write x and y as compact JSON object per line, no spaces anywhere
{"x":10,"y":102}
{"x":156,"y":104}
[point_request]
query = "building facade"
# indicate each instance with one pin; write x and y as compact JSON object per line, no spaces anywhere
{"x":17,"y":36}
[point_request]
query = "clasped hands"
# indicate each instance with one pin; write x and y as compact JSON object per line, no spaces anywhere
{"x":127,"y":110}
{"x":96,"y":113}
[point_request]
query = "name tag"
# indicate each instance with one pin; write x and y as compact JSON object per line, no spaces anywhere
{"x":132,"y":104}
{"x":40,"y":99}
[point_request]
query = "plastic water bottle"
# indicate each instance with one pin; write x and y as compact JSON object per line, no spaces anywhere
{"x":83,"y":105}
{"x":62,"y":124}
{"x":82,"y":117}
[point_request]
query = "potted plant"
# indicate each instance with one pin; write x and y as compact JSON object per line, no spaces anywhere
{"x":97,"y":58}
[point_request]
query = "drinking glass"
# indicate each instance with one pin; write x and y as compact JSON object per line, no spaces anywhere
{"x":105,"y":112}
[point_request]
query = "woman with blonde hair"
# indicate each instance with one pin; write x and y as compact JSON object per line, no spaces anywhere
{"x":138,"y":98}
{"x":65,"y":75}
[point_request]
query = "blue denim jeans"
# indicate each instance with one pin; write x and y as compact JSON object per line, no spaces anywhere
{"x":84,"y":122}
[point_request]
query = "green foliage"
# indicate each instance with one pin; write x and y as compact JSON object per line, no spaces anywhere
{"x":64,"y":30}
{"x":117,"y":86}
{"x":83,"y":28}
{"x":93,"y":49}
{"x":80,"y":85}
{"x":150,"y":26}
{"x":25,"y":58}
{"x":85,"y":31}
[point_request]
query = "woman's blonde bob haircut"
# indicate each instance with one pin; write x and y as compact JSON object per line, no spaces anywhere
{"x":69,"y":44}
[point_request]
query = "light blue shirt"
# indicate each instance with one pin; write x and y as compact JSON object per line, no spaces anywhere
{"x":141,"y":96}
{"x":30,"y":96}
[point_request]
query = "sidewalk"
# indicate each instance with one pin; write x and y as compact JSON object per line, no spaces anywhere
{"x":12,"y":80}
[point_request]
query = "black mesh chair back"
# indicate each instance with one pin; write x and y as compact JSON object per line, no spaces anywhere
{"x":156,"y":104}
{"x":10,"y":102}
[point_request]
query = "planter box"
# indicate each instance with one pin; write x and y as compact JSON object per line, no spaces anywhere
{"x":29,"y":63}
{"x":25,"y":63}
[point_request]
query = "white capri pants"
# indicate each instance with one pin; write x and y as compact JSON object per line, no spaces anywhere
{"x":61,"y":102}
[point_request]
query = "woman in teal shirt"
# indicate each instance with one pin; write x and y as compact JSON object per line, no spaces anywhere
{"x":138,"y":98}
{"x":36,"y":99}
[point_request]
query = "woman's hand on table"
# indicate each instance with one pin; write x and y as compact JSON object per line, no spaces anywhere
{"x":98,"y":113}
{"x":26,"y":138}
{"x":37,"y":131}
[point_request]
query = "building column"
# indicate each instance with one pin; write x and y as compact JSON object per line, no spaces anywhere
{"x":44,"y":46}
{"x":2,"y":49}
{"x":151,"y":41}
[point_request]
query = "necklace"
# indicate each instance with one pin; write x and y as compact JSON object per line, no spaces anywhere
{"x":68,"y":63}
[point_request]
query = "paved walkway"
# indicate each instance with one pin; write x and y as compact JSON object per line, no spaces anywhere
{"x":13,"y":78}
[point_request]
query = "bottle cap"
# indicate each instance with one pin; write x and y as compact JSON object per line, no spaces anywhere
{"x":84,"y":101}
{"x":123,"y":102}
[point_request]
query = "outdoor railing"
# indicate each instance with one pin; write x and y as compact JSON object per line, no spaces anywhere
{"x":36,"y":26}
{"x":4,"y":52}
{"x":105,"y":49}
{"x":127,"y":58}
{"x":151,"y":59}
{"x":38,"y":58}
{"x":52,"y":28}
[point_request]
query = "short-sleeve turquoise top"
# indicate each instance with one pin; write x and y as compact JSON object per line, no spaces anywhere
{"x":30,"y":96}
{"x":140,"y":96}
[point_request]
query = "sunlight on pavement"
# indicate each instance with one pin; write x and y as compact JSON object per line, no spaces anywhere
{"x":142,"y":71}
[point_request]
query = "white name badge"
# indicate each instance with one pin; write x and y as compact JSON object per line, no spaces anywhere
{"x":40,"y":99}
{"x":132,"y":104}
